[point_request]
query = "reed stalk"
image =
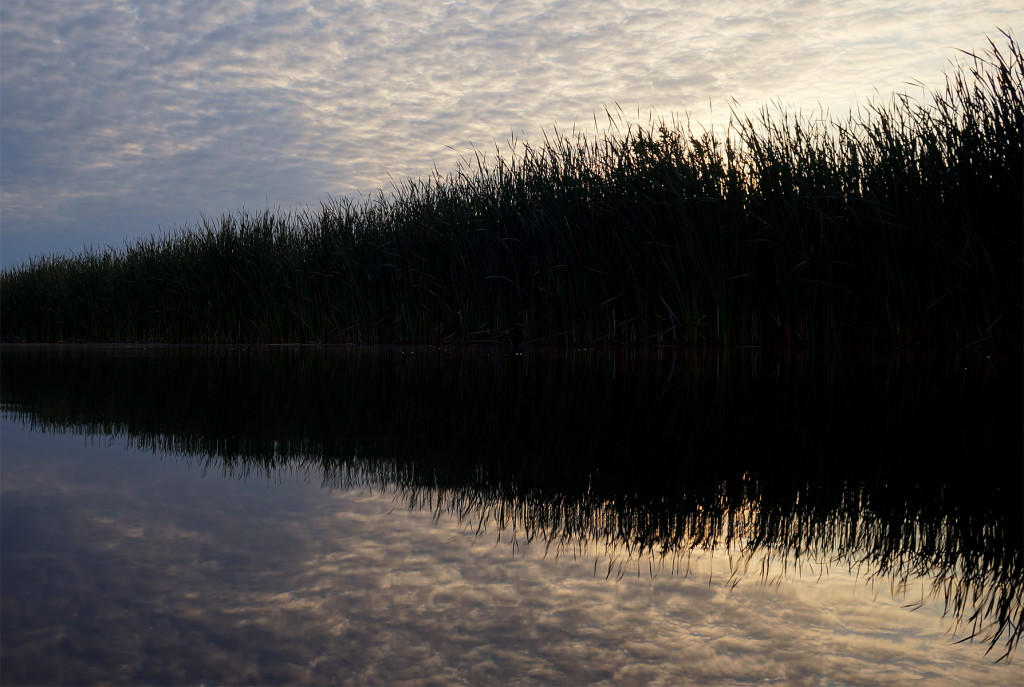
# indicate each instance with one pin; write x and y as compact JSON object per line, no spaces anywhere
{"x":898,"y":225}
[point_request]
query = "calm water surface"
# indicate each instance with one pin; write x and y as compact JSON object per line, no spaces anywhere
{"x":215,"y":516}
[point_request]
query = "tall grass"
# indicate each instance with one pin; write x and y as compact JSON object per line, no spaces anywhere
{"x":901,"y":224}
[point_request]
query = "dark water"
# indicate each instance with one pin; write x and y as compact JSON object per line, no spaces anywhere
{"x":326,"y":516}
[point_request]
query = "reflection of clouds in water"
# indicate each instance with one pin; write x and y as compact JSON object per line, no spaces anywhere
{"x":553,"y":621}
{"x":142,"y":570}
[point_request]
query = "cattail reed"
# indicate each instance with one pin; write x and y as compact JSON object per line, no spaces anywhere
{"x":900,"y":225}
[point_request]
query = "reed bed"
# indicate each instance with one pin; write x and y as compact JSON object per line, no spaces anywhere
{"x":901,"y":224}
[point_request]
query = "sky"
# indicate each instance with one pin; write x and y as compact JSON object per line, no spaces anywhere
{"x":120,"y":120}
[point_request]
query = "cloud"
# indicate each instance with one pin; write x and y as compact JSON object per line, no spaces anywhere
{"x":115,"y":110}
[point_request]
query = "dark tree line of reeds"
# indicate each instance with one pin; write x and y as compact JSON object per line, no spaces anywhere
{"x":900,"y":225}
{"x":898,"y":467}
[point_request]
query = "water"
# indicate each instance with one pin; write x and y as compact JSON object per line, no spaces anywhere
{"x":178,"y":516}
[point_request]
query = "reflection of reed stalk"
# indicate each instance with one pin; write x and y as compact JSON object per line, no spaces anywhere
{"x":977,"y":573}
{"x":902,"y":226}
{"x":651,"y":457}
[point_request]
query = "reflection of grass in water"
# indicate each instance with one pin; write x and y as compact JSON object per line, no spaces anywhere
{"x":901,"y":226}
{"x":973,"y":567}
{"x":639,"y":420}
{"x":977,"y":573}
{"x":652,"y":458}
{"x":971,"y":564}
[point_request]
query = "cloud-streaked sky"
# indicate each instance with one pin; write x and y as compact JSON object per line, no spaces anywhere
{"x":118,"y":118}
{"x":149,"y":569}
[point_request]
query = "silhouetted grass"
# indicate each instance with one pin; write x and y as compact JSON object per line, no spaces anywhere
{"x":901,"y":224}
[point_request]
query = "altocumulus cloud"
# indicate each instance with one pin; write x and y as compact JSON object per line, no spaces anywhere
{"x":117,"y":117}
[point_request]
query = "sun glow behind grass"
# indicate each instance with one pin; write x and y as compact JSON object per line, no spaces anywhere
{"x":900,"y":225}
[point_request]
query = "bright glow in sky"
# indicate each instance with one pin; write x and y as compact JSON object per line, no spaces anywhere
{"x":119,"y":118}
